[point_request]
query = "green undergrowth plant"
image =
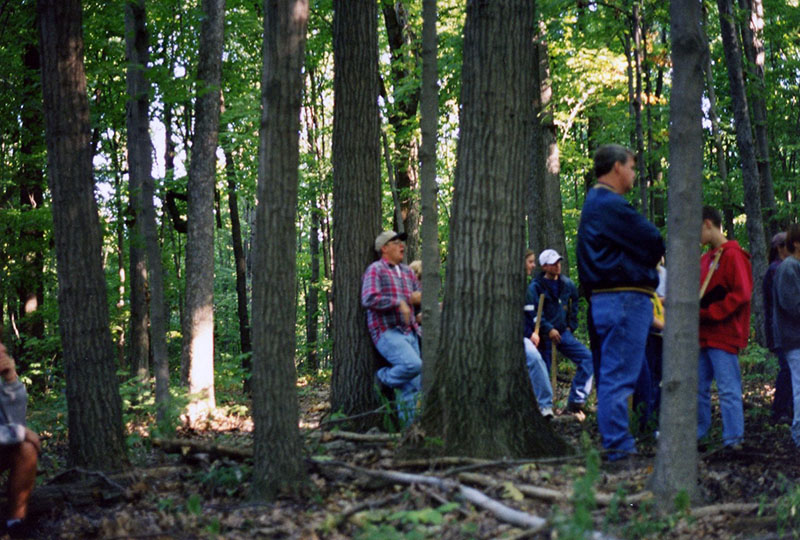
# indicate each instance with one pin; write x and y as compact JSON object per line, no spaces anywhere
{"x":579,"y":524}
{"x":787,"y":510}
{"x":402,"y":524}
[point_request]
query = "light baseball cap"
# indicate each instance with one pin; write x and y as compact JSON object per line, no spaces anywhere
{"x":387,"y":236}
{"x":549,"y":256}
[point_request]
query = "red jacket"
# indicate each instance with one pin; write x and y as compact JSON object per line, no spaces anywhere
{"x":725,"y":306}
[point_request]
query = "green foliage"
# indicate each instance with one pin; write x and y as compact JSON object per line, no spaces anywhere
{"x":403,"y":524}
{"x":577,"y":525}
{"x":139,"y":406}
{"x":224,"y":479}
{"x":787,"y":510}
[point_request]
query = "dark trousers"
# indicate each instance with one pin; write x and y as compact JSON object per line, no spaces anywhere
{"x":782,"y":406}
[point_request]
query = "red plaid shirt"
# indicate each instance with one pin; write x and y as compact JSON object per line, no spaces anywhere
{"x":383,"y":286}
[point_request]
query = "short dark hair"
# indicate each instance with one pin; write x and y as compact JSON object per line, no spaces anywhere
{"x":712,"y":214}
{"x":792,"y":236}
{"x":609,"y":154}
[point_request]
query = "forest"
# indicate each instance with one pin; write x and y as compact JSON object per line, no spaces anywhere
{"x":189,"y":196}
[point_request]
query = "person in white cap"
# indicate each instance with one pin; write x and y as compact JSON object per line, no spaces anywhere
{"x":559,"y":321}
{"x":389,"y":290}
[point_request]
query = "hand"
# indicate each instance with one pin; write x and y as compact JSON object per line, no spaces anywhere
{"x":555,"y":336}
{"x":8,"y":370}
{"x":419,"y":318}
{"x":405,"y":312}
{"x":416,"y":298}
{"x":33,"y":438}
{"x":535,"y":339}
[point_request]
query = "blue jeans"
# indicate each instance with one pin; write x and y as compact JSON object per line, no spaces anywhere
{"x":793,"y":359}
{"x":578,"y":353}
{"x":724,"y":368}
{"x":621,"y":323}
{"x":537,"y":372}
{"x":782,"y":402}
{"x":402,"y":352}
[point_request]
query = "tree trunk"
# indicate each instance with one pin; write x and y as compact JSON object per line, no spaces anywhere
{"x":198,"y":329}
{"x":750,"y":178}
{"x":30,"y":290}
{"x":545,"y":214}
{"x":94,"y":407}
{"x":481,"y":401}
{"x":312,"y":298}
{"x":429,"y":119}
{"x":279,"y":466}
{"x":356,"y":200}
{"x":402,"y":117}
{"x":641,"y":162}
{"x":676,"y":460}
{"x":241,"y":268}
{"x":752,"y":39}
{"x":722,"y":164}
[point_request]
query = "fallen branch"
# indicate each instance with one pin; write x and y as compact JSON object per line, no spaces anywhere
{"x":194,"y":446}
{"x":502,"y":512}
{"x":729,"y":508}
{"x":356,"y":437}
{"x":547,"y":494}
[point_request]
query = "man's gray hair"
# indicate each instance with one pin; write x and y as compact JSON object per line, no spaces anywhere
{"x":607,"y":155}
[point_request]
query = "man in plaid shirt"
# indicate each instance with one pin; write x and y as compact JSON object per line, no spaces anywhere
{"x":389,"y":289}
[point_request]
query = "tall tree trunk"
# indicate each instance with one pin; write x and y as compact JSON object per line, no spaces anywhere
{"x":31,"y":196}
{"x":198,"y":331}
{"x":312,"y":298}
{"x":429,"y":120}
{"x":676,"y":460}
{"x":752,"y":40}
{"x":641,"y":162}
{"x":722,"y":164}
{"x":481,"y":401}
{"x":241,"y":268}
{"x":750,"y":178}
{"x":94,"y":407}
{"x":545,"y":215}
{"x":140,"y":165}
{"x":356,"y":200}
{"x":279,"y":466}
{"x":402,"y":117}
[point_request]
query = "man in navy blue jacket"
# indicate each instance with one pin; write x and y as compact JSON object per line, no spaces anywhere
{"x":617,"y":252}
{"x":559,"y":321}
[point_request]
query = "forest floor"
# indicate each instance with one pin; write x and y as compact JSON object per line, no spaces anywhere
{"x":753,"y":493}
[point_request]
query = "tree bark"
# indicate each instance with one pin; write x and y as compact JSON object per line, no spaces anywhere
{"x":545,"y":212}
{"x":279,"y":466}
{"x":676,"y":460}
{"x":481,"y":401}
{"x":429,"y":119}
{"x":93,"y":403}
{"x":402,"y":117}
{"x":752,"y":39}
{"x":241,"y":268}
{"x":750,"y":177}
{"x":198,"y":321}
{"x":356,"y":200}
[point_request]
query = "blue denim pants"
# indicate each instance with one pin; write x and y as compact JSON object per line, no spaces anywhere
{"x":621,"y":323}
{"x":793,"y":359}
{"x":783,"y":399}
{"x":402,"y":352}
{"x":724,"y":368}
{"x":537,"y":371}
{"x":578,"y":353}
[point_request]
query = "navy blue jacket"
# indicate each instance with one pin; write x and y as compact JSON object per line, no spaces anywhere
{"x":559,"y":312}
{"x":617,"y":246}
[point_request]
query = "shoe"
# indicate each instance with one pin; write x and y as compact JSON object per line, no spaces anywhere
{"x":547,"y":413}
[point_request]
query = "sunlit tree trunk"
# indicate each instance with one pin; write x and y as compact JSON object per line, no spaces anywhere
{"x":94,"y":408}
{"x":198,"y":328}
{"x":545,"y":215}
{"x":752,"y":40}
{"x":750,"y":177}
{"x":676,"y":460}
{"x":481,"y":401}
{"x":279,"y":466}
{"x":356,"y":200}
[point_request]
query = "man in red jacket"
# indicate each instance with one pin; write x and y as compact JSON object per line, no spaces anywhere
{"x":727,"y":284}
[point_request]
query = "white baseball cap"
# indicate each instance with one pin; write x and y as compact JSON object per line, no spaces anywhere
{"x":387,"y":236}
{"x":549,"y":256}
